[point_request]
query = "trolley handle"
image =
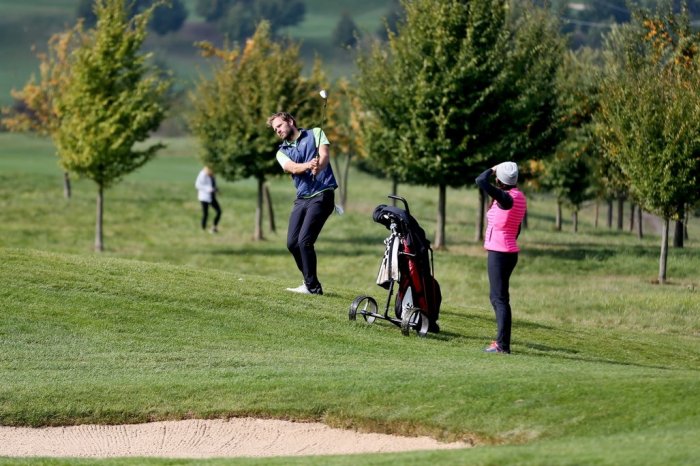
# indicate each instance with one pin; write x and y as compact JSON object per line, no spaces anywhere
{"x":399,"y":198}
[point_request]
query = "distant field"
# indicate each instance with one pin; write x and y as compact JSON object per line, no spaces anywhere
{"x":24,"y":24}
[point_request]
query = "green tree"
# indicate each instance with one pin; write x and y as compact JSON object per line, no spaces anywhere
{"x":231,"y":107}
{"x":168,"y":16}
{"x":212,"y":10}
{"x":345,"y":32}
{"x":650,"y":113}
{"x":456,"y":90}
{"x":36,"y":110}
{"x":343,"y":129}
{"x":394,"y":16}
{"x":238,"y":19}
{"x":111,"y":100}
{"x":569,"y":171}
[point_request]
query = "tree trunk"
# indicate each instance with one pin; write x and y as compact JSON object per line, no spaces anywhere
{"x":678,"y":230}
{"x":270,"y":209}
{"x":664,"y":252}
{"x":66,"y":185}
{"x":258,"y":233}
{"x":610,"y":213}
{"x":394,"y":190}
{"x":574,"y":219}
{"x":557,"y":220}
{"x":99,"y":245}
{"x":343,"y":173}
{"x":678,"y":234}
{"x":640,"y":233}
{"x":525,"y":222}
{"x":480,"y":209}
{"x":633,"y":208}
{"x":620,"y":212}
{"x":597,"y":212}
{"x":685,"y":222}
{"x":439,"y":242}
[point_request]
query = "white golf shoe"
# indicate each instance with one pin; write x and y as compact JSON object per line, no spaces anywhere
{"x":300,"y":289}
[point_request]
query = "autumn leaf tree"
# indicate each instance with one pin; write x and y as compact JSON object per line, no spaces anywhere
{"x":35,"y":109}
{"x":650,"y":112}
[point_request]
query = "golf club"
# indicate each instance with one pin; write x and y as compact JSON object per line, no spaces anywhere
{"x":324,"y":96}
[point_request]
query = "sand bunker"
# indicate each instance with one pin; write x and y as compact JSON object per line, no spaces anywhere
{"x":205,"y":439}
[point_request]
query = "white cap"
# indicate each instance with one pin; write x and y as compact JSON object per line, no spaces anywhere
{"x":507,"y":173}
{"x":324,"y":94}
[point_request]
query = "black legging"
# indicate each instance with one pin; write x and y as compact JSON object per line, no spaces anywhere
{"x":305,"y":223}
{"x":205,"y":211}
{"x":500,"y":267}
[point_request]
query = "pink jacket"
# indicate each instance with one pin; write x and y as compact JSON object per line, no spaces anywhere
{"x":503,"y":225}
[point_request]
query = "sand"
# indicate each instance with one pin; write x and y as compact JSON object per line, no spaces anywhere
{"x":205,"y":439}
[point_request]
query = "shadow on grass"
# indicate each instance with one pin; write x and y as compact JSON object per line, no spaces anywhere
{"x":559,"y":352}
{"x":535,"y":349}
{"x":247,"y":251}
{"x":587,"y":251}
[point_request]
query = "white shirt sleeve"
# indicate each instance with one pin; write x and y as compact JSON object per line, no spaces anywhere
{"x":282,"y":158}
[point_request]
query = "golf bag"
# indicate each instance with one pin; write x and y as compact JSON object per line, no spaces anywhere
{"x":408,"y":261}
{"x":407,"y":268}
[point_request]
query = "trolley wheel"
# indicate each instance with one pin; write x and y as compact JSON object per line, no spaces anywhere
{"x":423,"y":325}
{"x":406,"y":317}
{"x":364,"y":305}
{"x":416,"y":319}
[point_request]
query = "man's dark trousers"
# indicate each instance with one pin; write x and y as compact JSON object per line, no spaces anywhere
{"x":305,"y":223}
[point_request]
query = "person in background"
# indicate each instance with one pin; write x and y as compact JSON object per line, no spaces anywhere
{"x":504,"y":221}
{"x":305,"y":155}
{"x":206,"y":193}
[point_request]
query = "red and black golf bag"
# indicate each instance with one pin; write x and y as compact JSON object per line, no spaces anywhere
{"x":408,"y":261}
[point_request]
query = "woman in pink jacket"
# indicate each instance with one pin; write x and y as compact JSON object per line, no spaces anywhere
{"x":504,"y":220}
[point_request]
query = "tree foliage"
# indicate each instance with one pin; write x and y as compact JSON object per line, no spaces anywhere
{"x":238,"y":19}
{"x":247,"y":86}
{"x":569,"y":172}
{"x":343,"y":127}
{"x":111,"y":100}
{"x":585,"y":22}
{"x":37,"y":112}
{"x":394,"y":16}
{"x":456,"y":89}
{"x":345,"y":32}
{"x":168,"y":16}
{"x":651,"y":113}
{"x":650,"y":117}
{"x":35,"y":104}
{"x":459,"y":87}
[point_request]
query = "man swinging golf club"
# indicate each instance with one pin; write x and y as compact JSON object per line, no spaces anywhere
{"x":305,"y":155}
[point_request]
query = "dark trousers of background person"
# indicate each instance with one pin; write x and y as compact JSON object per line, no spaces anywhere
{"x":305,"y":223}
{"x":500,"y":267}
{"x":205,"y":212}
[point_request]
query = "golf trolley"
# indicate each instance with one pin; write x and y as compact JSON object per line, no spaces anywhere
{"x":408,"y":262}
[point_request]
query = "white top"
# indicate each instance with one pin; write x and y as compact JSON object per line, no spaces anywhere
{"x":205,"y":186}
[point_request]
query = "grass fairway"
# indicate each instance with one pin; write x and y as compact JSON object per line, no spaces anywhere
{"x":173,"y":323}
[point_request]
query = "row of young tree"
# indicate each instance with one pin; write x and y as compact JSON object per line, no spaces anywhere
{"x":458,"y":87}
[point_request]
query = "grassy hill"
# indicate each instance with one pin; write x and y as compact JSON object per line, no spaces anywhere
{"x":28,"y":24}
{"x":172,"y":323}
